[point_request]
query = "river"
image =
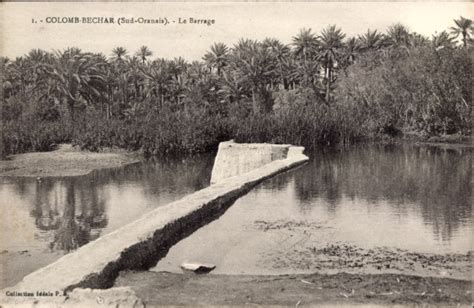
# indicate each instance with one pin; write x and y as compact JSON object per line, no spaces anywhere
{"x":43,"y":219}
{"x":406,"y":197}
{"x":368,"y":208}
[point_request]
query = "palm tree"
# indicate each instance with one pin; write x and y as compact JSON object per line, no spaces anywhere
{"x":351,"y":51}
{"x":305,"y":44}
{"x":217,"y":58}
{"x":331,"y":45}
{"x":6,"y":83}
{"x":305,"y":74}
{"x":119,"y":52}
{"x":157,"y":78}
{"x":371,"y":40}
{"x":22,"y":72}
{"x":73,"y":77}
{"x":179,"y":81}
{"x":253,"y":64}
{"x":232,"y":88}
{"x":442,"y":40}
{"x":398,"y":36}
{"x":135,"y":75}
{"x":418,"y":40}
{"x":144,"y":53}
{"x":180,"y":65}
{"x":280,"y":52}
{"x":110,"y":82}
{"x":38,"y":56}
{"x":463,"y":26}
{"x":244,"y":45}
{"x":34,"y":59}
{"x":197,"y":72}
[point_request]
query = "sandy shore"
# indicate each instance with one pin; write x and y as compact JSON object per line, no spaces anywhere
{"x":65,"y":161}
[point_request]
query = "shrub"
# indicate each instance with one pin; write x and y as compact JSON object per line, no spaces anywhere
{"x":30,"y":135}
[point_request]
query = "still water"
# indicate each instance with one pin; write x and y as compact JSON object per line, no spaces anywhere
{"x":41,"y":220}
{"x":373,"y":197}
{"x":410,"y":197}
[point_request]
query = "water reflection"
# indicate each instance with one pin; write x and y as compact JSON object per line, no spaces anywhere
{"x":408,"y":197}
{"x":435,"y":181}
{"x":73,"y":209}
{"x":411,"y":197}
{"x":43,"y":219}
{"x":70,"y":212}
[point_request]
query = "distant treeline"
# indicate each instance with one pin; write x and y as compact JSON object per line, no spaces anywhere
{"x":321,"y":89}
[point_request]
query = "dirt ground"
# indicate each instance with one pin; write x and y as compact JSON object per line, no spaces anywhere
{"x":339,"y":274}
{"x":340,"y":257}
{"x":273,"y":246}
{"x":65,"y":161}
{"x":164,"y":288}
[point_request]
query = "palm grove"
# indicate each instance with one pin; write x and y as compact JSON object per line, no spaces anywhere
{"x":323,"y":88}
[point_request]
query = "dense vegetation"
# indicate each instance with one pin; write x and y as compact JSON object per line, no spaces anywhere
{"x":322,"y":89}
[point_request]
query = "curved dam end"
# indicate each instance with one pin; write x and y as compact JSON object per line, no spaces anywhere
{"x":140,"y":244}
{"x":234,"y":159}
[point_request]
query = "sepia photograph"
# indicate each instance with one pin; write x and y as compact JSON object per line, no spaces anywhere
{"x":188,"y":153}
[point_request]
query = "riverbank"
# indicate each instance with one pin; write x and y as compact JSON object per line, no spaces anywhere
{"x":66,"y":160}
{"x":294,"y":290}
{"x":452,"y":141}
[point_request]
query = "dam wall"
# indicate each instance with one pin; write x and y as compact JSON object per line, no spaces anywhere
{"x":238,"y":158}
{"x":141,"y":243}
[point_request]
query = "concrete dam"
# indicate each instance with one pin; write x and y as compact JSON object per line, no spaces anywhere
{"x":140,"y":244}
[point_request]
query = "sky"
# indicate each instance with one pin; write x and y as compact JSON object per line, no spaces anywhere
{"x":233,"y":20}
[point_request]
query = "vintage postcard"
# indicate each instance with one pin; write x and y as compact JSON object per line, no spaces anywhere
{"x":236,"y":153}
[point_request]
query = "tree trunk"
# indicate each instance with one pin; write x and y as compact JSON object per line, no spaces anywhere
{"x":124,"y":95}
{"x":71,"y":110}
{"x":107,"y":106}
{"x":282,"y":77}
{"x":254,"y":101}
{"x":328,"y":84}
{"x":137,"y":90}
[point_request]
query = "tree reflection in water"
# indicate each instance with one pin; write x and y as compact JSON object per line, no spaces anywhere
{"x":72,"y":209}
{"x":71,"y":212}
{"x":432,"y":180}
